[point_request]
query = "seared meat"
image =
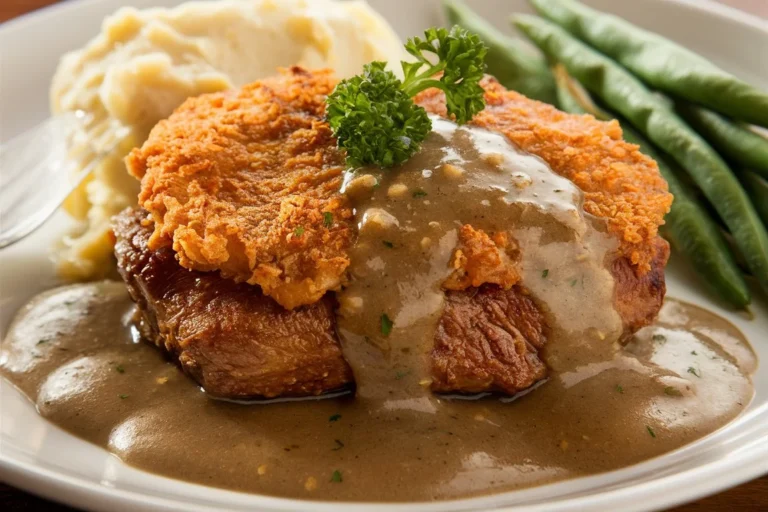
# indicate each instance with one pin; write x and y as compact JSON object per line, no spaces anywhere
{"x":239,"y":343}
{"x":231,"y":338}
{"x":488,"y":339}
{"x":638,"y":297}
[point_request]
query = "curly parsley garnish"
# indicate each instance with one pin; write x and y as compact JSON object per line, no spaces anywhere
{"x":373,"y":115}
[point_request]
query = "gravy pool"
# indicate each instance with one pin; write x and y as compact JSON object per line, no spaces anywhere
{"x":73,"y":352}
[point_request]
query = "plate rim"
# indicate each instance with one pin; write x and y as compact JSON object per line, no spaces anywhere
{"x":697,"y":482}
{"x":694,"y":483}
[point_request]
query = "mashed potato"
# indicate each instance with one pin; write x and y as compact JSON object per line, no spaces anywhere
{"x":145,"y":63}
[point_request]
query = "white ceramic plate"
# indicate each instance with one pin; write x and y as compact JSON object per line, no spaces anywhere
{"x":41,"y":458}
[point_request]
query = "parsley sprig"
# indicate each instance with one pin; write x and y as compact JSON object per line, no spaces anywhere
{"x":373,"y":115}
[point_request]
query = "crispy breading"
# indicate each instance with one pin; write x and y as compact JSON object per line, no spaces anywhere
{"x":481,"y":259}
{"x":247,"y":182}
{"x":620,"y":183}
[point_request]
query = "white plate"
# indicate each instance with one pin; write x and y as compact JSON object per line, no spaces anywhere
{"x":41,"y":458}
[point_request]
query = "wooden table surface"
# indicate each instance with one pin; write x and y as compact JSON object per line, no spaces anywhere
{"x":747,"y":497}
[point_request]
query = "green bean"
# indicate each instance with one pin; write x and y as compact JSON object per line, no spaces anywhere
{"x":688,"y":225}
{"x":663,"y":64}
{"x":572,"y":97}
{"x":514,"y":65}
{"x":757,"y":188}
{"x":652,"y":116}
{"x":735,"y":141}
{"x":567,"y":100}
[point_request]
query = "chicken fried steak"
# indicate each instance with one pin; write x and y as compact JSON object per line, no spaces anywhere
{"x":246,"y":186}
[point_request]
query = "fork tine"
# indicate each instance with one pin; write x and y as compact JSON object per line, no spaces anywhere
{"x":41,"y":167}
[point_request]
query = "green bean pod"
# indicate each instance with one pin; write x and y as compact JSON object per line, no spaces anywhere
{"x":757,"y":188}
{"x":652,"y":116}
{"x":663,"y":64}
{"x":735,"y":141}
{"x":688,"y":225}
{"x":567,"y":100}
{"x":514,"y":65}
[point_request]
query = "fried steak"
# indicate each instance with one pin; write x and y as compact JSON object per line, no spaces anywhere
{"x":229,"y":178}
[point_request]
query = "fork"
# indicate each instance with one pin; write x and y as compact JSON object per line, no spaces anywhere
{"x":42,"y":166}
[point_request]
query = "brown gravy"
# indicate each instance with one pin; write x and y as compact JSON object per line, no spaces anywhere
{"x":408,"y":220}
{"x":73,"y":353}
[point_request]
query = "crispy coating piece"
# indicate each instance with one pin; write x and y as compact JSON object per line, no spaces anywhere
{"x":620,"y":183}
{"x":246,"y":182}
{"x":480,"y":258}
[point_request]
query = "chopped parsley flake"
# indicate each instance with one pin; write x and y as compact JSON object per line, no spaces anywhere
{"x":43,"y":340}
{"x":574,"y":281}
{"x":650,"y":431}
{"x":336,"y":477}
{"x":335,"y":417}
{"x":693,"y":352}
{"x":672,"y":391}
{"x":120,"y":368}
{"x":400,"y":374}
{"x":694,"y":371}
{"x":386,"y":324}
{"x":388,"y":243}
{"x":327,"y":219}
{"x":659,"y":338}
{"x":298,"y":231}
{"x":419,"y":193}
{"x":339,"y":445}
{"x":122,"y":397}
{"x":544,"y":273}
{"x":619,"y":388}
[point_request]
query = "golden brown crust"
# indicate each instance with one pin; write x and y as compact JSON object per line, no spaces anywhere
{"x":241,"y":181}
{"x":620,"y":183}
{"x":480,"y":259}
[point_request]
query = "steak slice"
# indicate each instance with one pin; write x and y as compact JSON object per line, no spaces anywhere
{"x":238,"y":343}
{"x":233,"y":340}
